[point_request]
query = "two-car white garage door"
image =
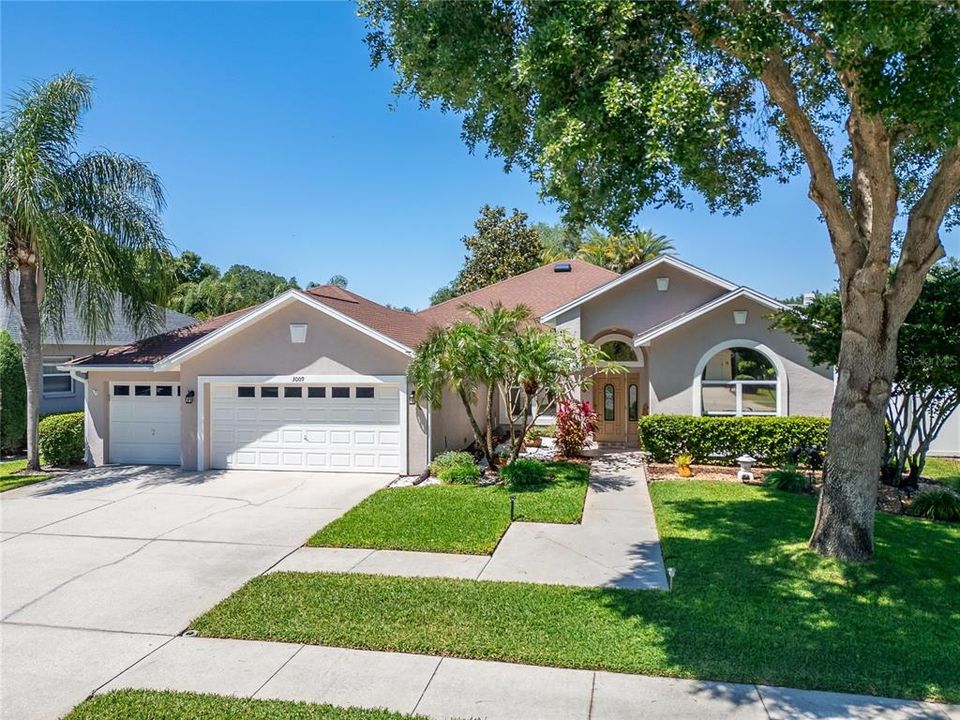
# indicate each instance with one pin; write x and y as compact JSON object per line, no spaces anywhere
{"x":318,"y":427}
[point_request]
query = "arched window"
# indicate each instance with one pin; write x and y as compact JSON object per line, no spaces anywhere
{"x":619,"y":351}
{"x":739,"y":381}
{"x":609,"y":403}
{"x":633,"y":410}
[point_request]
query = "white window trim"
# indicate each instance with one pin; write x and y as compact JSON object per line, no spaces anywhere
{"x":57,"y":360}
{"x":780,"y":382}
{"x":626,"y":340}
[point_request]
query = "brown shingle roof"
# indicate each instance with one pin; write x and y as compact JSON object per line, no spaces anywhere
{"x":406,"y":328}
{"x":541,"y":290}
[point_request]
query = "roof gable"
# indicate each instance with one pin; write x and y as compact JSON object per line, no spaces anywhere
{"x":667,"y":326}
{"x":646,"y":267}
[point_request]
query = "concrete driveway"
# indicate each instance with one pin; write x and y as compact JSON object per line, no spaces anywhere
{"x":102,"y":567}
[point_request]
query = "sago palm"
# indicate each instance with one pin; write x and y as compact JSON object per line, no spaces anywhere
{"x":77,"y":228}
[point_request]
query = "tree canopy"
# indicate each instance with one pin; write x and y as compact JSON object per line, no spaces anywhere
{"x":927,"y":383}
{"x":613,"y":106}
{"x":203,"y":292}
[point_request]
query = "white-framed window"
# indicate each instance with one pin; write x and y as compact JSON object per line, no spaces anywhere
{"x":619,"y":349}
{"x":57,"y":383}
{"x":738,"y":381}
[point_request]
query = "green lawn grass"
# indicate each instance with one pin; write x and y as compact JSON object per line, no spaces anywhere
{"x":750,"y":604}
{"x":455,"y":518}
{"x":10,"y":479}
{"x":946,"y":470}
{"x":154,"y":705}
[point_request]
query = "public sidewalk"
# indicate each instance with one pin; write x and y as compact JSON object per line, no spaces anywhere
{"x":615,"y":545}
{"x":453,"y":688}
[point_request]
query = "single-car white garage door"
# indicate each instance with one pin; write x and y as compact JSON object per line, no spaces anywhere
{"x":145,"y":423}
{"x":329,"y":427}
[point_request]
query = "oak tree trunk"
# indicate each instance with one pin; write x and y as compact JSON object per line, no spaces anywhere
{"x":30,"y":353}
{"x":867,"y":366}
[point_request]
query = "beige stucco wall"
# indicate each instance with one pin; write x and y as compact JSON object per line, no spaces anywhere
{"x":97,"y":408}
{"x":450,"y":426}
{"x":264,"y":349}
{"x":637,"y":305}
{"x":673,"y":358}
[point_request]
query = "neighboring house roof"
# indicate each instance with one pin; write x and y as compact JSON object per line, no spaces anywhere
{"x":673,"y":323}
{"x":617,"y":280}
{"x":73,"y":332}
{"x":541,"y":289}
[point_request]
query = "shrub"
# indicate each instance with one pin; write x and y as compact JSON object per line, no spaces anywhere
{"x":575,"y":422}
{"x":541,"y":431}
{"x":460,"y":474}
{"x":720,"y":440}
{"x":522,"y":472}
{"x":449,"y":459}
{"x":61,"y":439}
{"x":13,"y":396}
{"x":788,"y":479}
{"x":937,"y":504}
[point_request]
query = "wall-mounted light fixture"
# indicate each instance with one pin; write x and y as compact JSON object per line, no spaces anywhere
{"x":188,"y":398}
{"x":740,"y":317}
{"x":663,"y":284}
{"x":298,"y":332}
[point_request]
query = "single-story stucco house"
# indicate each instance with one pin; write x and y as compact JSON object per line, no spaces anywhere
{"x":316,"y":379}
{"x":61,"y":393}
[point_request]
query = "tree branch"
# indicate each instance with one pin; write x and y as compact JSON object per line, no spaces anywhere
{"x":921,"y":244}
{"x":824,"y":190}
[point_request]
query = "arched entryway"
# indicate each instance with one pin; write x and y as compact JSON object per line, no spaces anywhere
{"x":619,"y":399}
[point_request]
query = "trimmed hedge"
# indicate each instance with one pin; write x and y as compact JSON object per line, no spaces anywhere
{"x":13,"y":396}
{"x":61,"y":439}
{"x":720,"y":440}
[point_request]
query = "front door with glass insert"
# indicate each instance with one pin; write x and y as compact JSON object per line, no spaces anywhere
{"x":610,"y":403}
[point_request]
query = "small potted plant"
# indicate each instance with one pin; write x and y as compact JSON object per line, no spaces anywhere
{"x":683,"y":465}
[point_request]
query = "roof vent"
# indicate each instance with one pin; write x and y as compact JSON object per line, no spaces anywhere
{"x":562,"y":267}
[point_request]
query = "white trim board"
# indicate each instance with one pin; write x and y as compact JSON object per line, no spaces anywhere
{"x":172,"y":362}
{"x":646,"y":337}
{"x":639,"y":270}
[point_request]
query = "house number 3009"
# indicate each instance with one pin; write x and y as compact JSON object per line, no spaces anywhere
{"x":298,"y":378}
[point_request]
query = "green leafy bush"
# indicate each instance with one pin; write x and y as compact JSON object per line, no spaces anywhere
{"x":450,"y":459}
{"x":787,"y":478}
{"x":13,"y":396}
{"x":61,"y":439}
{"x":720,"y":440}
{"x":940,"y":503}
{"x":460,"y":474}
{"x":523,"y":472}
{"x":541,"y":431}
{"x":455,"y":466}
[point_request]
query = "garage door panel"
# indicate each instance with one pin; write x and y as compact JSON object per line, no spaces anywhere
{"x":145,"y":428}
{"x":297,"y":433}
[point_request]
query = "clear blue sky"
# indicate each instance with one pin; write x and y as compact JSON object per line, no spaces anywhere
{"x":279,"y":149}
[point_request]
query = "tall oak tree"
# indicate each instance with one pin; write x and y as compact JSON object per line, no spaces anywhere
{"x":614,"y":106}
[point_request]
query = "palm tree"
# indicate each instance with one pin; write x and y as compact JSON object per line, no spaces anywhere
{"x":77,"y":228}
{"x":469,"y":357}
{"x":624,"y":251}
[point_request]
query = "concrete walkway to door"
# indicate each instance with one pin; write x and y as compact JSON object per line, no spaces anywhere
{"x":615,"y":545}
